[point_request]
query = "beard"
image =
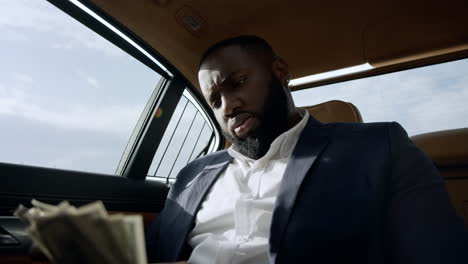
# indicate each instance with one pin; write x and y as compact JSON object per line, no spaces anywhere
{"x":273,"y":122}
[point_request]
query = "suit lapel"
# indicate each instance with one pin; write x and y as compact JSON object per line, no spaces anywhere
{"x":193,"y":197}
{"x":202,"y":183}
{"x":311,"y":143}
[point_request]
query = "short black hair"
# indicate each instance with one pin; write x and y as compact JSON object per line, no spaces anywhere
{"x":248,"y":42}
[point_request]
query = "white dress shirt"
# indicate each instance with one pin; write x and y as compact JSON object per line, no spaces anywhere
{"x":233,"y":223}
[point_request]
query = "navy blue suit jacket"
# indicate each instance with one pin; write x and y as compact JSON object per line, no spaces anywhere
{"x":359,"y":193}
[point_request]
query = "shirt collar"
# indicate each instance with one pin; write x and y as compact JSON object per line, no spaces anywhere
{"x":281,"y":147}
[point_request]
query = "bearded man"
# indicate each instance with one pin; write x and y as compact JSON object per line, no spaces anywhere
{"x":291,"y":189}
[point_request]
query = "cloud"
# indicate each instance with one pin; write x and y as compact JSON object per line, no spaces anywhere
{"x":13,"y":35}
{"x":21,"y":78}
{"x":85,"y":160}
{"x":93,"y":82}
{"x":80,"y":37}
{"x":114,"y":119}
{"x":8,"y":100}
{"x":111,"y":119}
{"x":18,"y":18}
{"x":88,"y":78}
{"x":24,"y":14}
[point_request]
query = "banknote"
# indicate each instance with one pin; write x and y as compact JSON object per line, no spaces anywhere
{"x":87,"y":234}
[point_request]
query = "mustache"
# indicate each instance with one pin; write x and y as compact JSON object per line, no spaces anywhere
{"x":235,"y":114}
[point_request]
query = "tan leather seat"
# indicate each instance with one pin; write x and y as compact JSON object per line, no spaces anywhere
{"x":335,"y":111}
{"x":449,"y":151}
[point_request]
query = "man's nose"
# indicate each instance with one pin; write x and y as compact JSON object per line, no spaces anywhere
{"x":231,"y":105}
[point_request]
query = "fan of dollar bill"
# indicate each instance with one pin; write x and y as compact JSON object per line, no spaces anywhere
{"x":88,"y":234}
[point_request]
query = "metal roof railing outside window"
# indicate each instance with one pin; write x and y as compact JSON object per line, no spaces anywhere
{"x":188,"y":136}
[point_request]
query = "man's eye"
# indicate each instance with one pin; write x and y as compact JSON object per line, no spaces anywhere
{"x":242,"y":81}
{"x":216,"y":103}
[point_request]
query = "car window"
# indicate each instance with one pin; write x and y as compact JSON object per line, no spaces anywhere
{"x":422,"y":100}
{"x":69,"y":98}
{"x":188,"y":136}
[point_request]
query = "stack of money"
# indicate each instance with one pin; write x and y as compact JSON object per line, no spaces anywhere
{"x":87,"y":234}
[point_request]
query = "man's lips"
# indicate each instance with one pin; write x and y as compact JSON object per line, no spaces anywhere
{"x":243,"y":129}
{"x":243,"y":124}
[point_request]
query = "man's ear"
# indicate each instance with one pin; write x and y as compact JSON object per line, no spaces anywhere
{"x":280,"y":69}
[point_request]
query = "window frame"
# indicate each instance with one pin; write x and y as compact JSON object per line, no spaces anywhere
{"x":93,"y":24}
{"x":207,"y":113}
{"x":147,"y":134}
{"x":215,"y":141}
{"x":460,"y":56}
{"x":420,"y":63}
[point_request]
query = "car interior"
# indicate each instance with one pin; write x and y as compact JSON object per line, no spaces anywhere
{"x":169,"y":36}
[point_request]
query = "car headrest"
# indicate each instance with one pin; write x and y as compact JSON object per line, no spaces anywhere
{"x":445,"y":148}
{"x":335,"y":111}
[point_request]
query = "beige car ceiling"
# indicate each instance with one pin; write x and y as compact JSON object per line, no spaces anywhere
{"x":313,"y":36}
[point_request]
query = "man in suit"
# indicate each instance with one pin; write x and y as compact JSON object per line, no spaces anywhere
{"x":291,"y":189}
